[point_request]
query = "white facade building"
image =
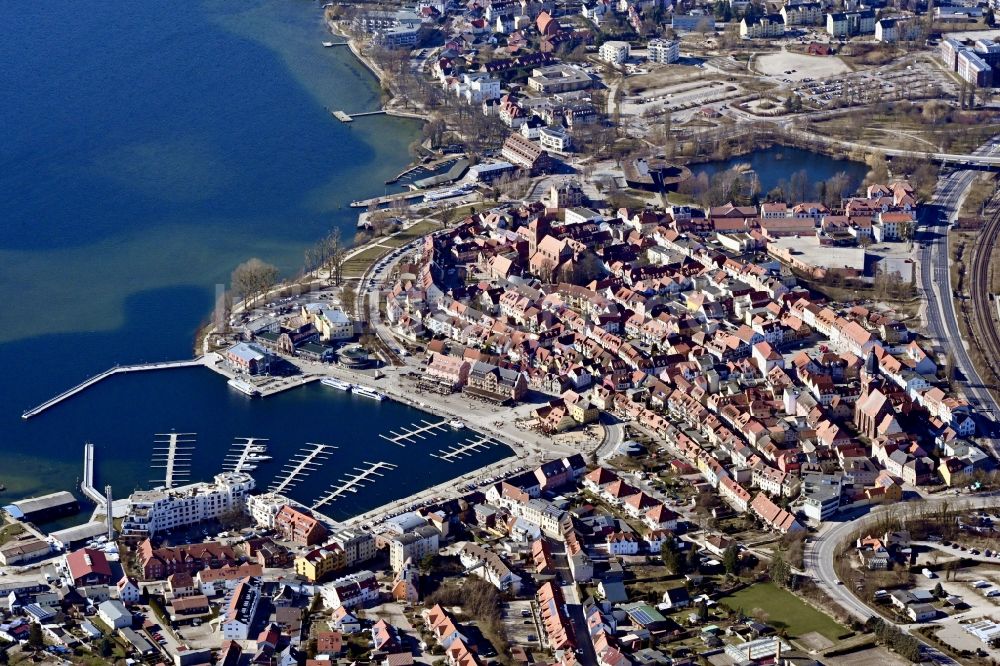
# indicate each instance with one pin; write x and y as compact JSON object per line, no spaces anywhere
{"x":153,"y":511}
{"x":663,"y":51}
{"x":614,"y":52}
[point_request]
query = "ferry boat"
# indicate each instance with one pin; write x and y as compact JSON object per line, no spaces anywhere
{"x":243,"y":387}
{"x":368,"y":393}
{"x":327,"y":44}
{"x":456,"y":424}
{"x":336,"y":383}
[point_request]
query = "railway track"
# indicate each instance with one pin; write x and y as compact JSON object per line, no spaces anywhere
{"x":982,"y":321}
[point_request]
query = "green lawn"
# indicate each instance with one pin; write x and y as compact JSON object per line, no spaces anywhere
{"x":8,"y":532}
{"x":784,"y":610}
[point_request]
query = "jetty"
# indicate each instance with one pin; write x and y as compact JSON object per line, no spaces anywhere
{"x":467,"y":448}
{"x":300,"y":465}
{"x":352,"y":482}
{"x":387,"y":199}
{"x":413,"y":432}
{"x":345,"y":117}
{"x":239,"y":453}
{"x":172,"y":454}
{"x":87,"y":485}
{"x":116,"y":370}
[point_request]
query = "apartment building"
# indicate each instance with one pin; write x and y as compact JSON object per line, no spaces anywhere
{"x":153,"y":511}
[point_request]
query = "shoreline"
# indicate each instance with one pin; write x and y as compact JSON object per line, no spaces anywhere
{"x":379,"y":75}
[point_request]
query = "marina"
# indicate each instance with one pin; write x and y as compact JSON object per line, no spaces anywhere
{"x":172,"y":454}
{"x":308,"y":460}
{"x":467,"y":448}
{"x":410,"y":434}
{"x":353,"y":482}
{"x":239,"y":458}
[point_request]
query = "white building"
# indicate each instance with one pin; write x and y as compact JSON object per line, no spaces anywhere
{"x":153,"y":511}
{"x":241,"y":610}
{"x":128,"y":591}
{"x":614,"y":52}
{"x":555,"y":139}
{"x":478,"y":88}
{"x":356,"y":589}
{"x":802,"y":13}
{"x":849,"y":24}
{"x":358,"y":545}
{"x":892,"y":30}
{"x":413,"y":545}
{"x":263,"y":508}
{"x":762,"y":27}
{"x":622,"y":543}
{"x":114,"y":614}
{"x":663,"y":51}
{"x":487,"y":565}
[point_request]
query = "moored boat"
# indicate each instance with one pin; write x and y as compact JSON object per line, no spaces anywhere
{"x":368,"y":393}
{"x":246,"y":388}
{"x":338,"y":384}
{"x":457,"y":424}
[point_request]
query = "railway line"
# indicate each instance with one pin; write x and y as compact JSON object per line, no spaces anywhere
{"x":981,"y":320}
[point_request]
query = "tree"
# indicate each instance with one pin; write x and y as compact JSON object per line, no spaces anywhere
{"x":348,"y":299}
{"x":35,"y":639}
{"x":731,"y":560}
{"x":105,"y":647}
{"x":780,"y":571}
{"x":672,"y":560}
{"x":253,"y":278}
{"x":879,"y":168}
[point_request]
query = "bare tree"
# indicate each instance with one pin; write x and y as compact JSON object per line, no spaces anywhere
{"x":253,"y":278}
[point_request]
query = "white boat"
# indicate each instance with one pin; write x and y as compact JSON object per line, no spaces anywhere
{"x":457,"y":424}
{"x":248,"y":468}
{"x":368,"y":393}
{"x":327,"y":44}
{"x":243,"y":387}
{"x":336,"y":383}
{"x":258,"y":457}
{"x":258,"y":449}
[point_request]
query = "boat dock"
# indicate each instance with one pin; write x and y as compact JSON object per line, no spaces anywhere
{"x":352,"y":482}
{"x":116,"y":370}
{"x":301,"y":464}
{"x":87,"y":485}
{"x":387,"y":199}
{"x":467,"y":448}
{"x":345,"y":117}
{"x":172,"y":456}
{"x":410,"y":433}
{"x":239,"y":453}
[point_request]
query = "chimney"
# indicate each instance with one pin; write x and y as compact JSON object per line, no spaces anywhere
{"x":777,"y":651}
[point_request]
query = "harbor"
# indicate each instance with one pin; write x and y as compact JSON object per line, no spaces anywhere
{"x":353,"y":482}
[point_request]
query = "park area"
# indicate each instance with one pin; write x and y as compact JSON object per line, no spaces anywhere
{"x":784,"y":611}
{"x":802,"y":66}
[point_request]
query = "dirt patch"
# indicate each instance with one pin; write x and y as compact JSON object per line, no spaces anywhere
{"x":814,"y":641}
{"x":804,"y":66}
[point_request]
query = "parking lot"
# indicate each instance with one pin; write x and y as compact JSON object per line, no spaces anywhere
{"x":917,"y":81}
{"x":519,"y":620}
{"x":793,"y":67}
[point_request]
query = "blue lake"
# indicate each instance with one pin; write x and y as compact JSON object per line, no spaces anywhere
{"x":145,"y":150}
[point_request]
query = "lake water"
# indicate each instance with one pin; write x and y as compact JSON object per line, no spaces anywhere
{"x":777,"y":163}
{"x":145,"y":150}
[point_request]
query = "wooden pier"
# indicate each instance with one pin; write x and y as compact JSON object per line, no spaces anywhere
{"x":116,"y":370}
{"x":467,"y":448}
{"x":309,"y":459}
{"x":239,"y":453}
{"x":410,"y":433}
{"x":170,"y":455}
{"x":352,"y":482}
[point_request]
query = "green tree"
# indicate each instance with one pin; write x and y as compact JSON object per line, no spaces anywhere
{"x":35,"y":639}
{"x":672,"y":560}
{"x":105,"y":647}
{"x":780,"y":571}
{"x":731,"y":560}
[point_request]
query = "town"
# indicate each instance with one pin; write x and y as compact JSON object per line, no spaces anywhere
{"x":750,"y":417}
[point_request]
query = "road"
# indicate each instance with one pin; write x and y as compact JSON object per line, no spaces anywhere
{"x":935,"y":281}
{"x":821,"y":552}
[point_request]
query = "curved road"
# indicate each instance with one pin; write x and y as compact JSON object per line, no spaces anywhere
{"x":821,"y":552}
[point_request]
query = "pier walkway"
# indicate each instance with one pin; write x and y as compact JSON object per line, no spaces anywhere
{"x":87,"y":485}
{"x":345,"y":117}
{"x":300,"y":465}
{"x":116,"y":370}
{"x":467,"y":448}
{"x":351,"y":482}
{"x":238,"y":459}
{"x":170,"y":455}
{"x":411,"y":433}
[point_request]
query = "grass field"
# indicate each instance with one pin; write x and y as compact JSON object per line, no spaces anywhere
{"x":784,"y":611}
{"x":356,"y":265}
{"x":416,"y":231}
